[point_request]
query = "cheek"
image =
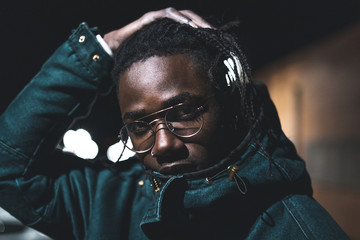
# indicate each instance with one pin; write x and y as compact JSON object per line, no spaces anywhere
{"x":204,"y":150}
{"x":212,"y":130}
{"x":200,"y":155}
{"x":210,"y":140}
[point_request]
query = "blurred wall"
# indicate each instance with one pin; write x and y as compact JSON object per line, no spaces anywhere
{"x":317,"y":94}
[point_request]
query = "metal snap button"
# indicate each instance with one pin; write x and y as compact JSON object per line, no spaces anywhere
{"x":96,"y":57}
{"x":82,"y":39}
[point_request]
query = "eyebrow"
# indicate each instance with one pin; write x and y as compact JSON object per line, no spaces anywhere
{"x":180,"y":98}
{"x":133,"y":115}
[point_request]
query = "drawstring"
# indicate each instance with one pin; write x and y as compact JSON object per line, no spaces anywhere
{"x":210,"y":179}
{"x":240,"y":184}
{"x":157,"y":181}
{"x":232,"y":176}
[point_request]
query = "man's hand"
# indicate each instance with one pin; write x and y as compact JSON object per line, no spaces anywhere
{"x":115,"y":38}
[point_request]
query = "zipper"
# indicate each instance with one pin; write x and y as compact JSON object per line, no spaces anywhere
{"x":156,"y":185}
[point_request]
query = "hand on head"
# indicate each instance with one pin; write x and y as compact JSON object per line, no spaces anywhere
{"x":116,"y":37}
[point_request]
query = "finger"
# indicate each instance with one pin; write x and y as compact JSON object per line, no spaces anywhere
{"x":170,"y":12}
{"x":199,"y":21}
{"x":173,"y":14}
{"x":179,"y":17}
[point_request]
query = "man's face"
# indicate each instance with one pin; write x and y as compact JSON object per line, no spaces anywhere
{"x":161,"y":82}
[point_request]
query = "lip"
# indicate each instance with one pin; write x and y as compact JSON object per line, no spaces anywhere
{"x":176,"y":168}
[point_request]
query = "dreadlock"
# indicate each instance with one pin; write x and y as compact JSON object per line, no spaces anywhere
{"x":208,"y":49}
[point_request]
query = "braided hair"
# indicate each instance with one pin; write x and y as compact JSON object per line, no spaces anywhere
{"x":213,"y":51}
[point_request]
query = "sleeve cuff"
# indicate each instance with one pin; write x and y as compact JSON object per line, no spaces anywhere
{"x":90,"y":51}
{"x":104,"y":45}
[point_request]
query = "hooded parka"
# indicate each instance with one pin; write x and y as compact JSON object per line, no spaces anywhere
{"x":261,"y":190}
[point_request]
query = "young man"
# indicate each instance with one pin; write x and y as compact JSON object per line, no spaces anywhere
{"x":211,"y":159}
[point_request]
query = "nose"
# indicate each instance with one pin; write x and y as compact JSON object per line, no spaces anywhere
{"x":167,"y":146}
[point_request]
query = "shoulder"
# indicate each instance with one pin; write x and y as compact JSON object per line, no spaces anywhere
{"x":313,"y":220}
{"x":296,"y":217}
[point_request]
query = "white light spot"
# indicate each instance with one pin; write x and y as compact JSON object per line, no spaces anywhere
{"x":80,"y":143}
{"x":230,"y":75}
{"x":114,"y":151}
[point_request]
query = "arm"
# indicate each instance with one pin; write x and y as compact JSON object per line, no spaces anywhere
{"x":34,"y":186}
{"x":65,"y":87}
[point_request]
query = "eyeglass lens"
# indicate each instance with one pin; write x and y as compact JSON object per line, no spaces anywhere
{"x":182,"y":121}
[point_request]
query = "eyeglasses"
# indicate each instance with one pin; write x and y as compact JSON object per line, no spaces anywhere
{"x":182,"y":120}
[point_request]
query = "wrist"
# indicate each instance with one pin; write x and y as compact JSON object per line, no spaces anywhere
{"x":105,"y":45}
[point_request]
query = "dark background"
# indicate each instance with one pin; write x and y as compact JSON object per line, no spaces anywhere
{"x":32,"y":30}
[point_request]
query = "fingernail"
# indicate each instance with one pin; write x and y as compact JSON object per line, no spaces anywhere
{"x":191,"y":23}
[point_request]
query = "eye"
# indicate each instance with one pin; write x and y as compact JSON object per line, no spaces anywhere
{"x":183,"y":113}
{"x":138,"y":129}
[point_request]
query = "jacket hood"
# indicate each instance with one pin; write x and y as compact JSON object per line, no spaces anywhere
{"x":263,"y":158}
{"x":261,"y":170}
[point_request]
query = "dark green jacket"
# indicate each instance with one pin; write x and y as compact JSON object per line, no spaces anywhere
{"x":69,"y":198}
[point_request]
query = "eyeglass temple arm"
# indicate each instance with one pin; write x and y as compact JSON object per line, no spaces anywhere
{"x":122,"y":153}
{"x":160,"y":111}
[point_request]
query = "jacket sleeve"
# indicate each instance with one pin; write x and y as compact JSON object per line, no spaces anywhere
{"x":66,"y":86}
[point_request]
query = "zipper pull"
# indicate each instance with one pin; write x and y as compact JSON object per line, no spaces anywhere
{"x":233,"y":170}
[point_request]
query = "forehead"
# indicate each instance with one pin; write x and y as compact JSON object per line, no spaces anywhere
{"x":146,"y":85}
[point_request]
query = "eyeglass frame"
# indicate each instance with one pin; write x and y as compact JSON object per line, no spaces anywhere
{"x":200,"y":108}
